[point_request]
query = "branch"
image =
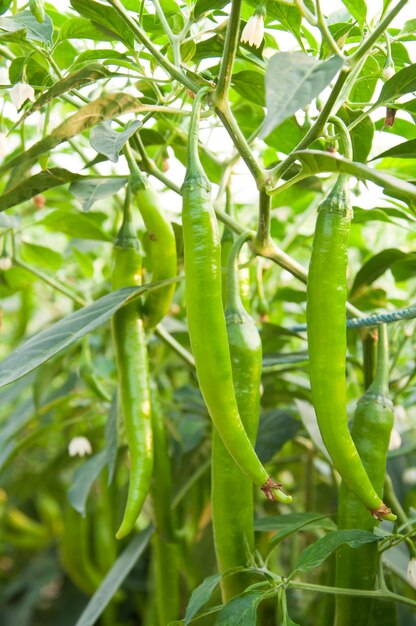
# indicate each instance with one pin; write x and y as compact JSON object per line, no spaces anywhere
{"x":220,"y":97}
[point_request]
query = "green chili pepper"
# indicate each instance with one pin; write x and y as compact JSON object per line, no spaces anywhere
{"x":206,"y":322}
{"x":232,"y":491}
{"x":327,"y":343}
{"x":166,"y":566}
{"x":160,"y":242}
{"x":227,"y":241}
{"x":74,"y":552}
{"x":132,"y":369}
{"x":373,"y":421}
{"x":104,"y":543}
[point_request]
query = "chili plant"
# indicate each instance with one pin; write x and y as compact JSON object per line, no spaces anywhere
{"x":207,"y":277}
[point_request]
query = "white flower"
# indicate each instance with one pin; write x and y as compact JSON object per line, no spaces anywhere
{"x":395,"y":440}
{"x":388,"y":72}
{"x":400,"y":414}
{"x":409,"y":476}
{"x":79,"y":446}
{"x":253,"y":31}
{"x":411,"y":573}
{"x":5,"y":263}
{"x":20,"y":92}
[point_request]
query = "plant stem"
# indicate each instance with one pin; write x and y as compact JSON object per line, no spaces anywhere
{"x":325,"y":32}
{"x":220,"y":96}
{"x":263,"y":229}
{"x":381,"y":594}
{"x":227,"y":118}
{"x":51,"y":282}
{"x":377,"y":32}
{"x":175,"y":345}
{"x":315,"y":131}
{"x":173,"y":40}
{"x":169,"y":67}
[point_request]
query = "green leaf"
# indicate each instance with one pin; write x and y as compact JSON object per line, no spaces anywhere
{"x":200,"y":596}
{"x":106,"y":19}
{"x":293,"y":80}
{"x":361,"y":135}
{"x":401,"y":83}
{"x":34,"y":30}
{"x":276,"y":427}
{"x":97,"y":111}
{"x":85,"y":76}
{"x":316,"y":553}
{"x":64,"y":334}
{"x":315,"y":161}
{"x":4,"y":6}
{"x":29,"y":187}
{"x":240,"y":611}
{"x":111,"y":57}
{"x":250,"y":85}
{"x":81,"y":28}
{"x":109,"y":142}
{"x":358,"y":9}
{"x":381,"y":214}
{"x":92,"y":189}
{"x":404,"y":150}
{"x":74,"y":225}
{"x":205,"y":6}
{"x":84,"y":477}
{"x":375,"y":267}
{"x":114,"y":579}
{"x":46,"y":258}
{"x":291,"y":522}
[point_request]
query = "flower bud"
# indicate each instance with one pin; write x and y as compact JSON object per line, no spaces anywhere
{"x":388,"y":72}
{"x":411,"y":573}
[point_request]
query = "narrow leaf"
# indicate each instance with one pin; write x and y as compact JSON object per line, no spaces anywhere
{"x":109,"y":142}
{"x":400,"y":84}
{"x":404,"y":150}
{"x":293,"y":80}
{"x":97,"y":111}
{"x":114,"y":579}
{"x":375,"y":267}
{"x":315,"y":161}
{"x":87,"y":75}
{"x":316,"y":553}
{"x":84,"y":477}
{"x":306,"y":520}
{"x":63,"y":334}
{"x":200,"y":596}
{"x":358,"y":9}
{"x":29,"y":187}
{"x":74,"y":225}
{"x":34,"y":30}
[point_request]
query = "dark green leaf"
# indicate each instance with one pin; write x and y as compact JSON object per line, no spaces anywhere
{"x":81,"y":28}
{"x":91,"y":189}
{"x":106,"y":18}
{"x":97,"y":111}
{"x":34,"y":30}
{"x":74,"y":225}
{"x":293,"y":80}
{"x":114,"y":579}
{"x":400,"y":84}
{"x":375,"y":267}
{"x":315,"y":161}
{"x":109,"y":142}
{"x":276,"y":427}
{"x":204,"y":6}
{"x":36,"y":184}
{"x":250,"y":85}
{"x":83,"y":479}
{"x":200,"y":596}
{"x":382,"y":214}
{"x":404,"y":150}
{"x":241,"y":611}
{"x":85,"y":76}
{"x":64,"y":334}
{"x":4,"y":5}
{"x":361,"y":135}
{"x":316,"y":553}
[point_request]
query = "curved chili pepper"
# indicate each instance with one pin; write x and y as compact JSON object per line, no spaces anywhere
{"x":132,"y":371}
{"x":326,"y":295}
{"x":160,"y":243}
{"x":371,"y":429}
{"x":327,"y":341}
{"x":232,"y":491}
{"x":206,"y":322}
